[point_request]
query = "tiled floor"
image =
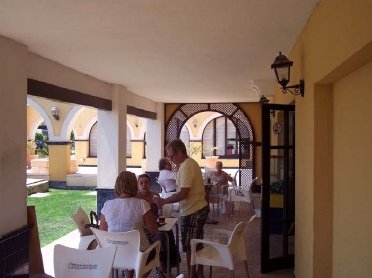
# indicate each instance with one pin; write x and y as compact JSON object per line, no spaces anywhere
{"x":252,"y":242}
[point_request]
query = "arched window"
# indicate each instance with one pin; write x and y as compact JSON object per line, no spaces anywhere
{"x":220,"y":138}
{"x":93,"y":141}
{"x":185,"y":134}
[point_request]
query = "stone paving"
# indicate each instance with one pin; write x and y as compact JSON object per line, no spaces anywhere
{"x":252,"y":241}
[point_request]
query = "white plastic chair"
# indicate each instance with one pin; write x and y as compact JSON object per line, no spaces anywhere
{"x":242,"y":194}
{"x":81,"y":219}
{"x":77,"y":263}
{"x":128,"y":254}
{"x":168,"y":209}
{"x":87,"y":239}
{"x":219,"y":254}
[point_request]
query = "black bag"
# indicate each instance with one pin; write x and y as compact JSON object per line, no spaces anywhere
{"x":93,"y":220}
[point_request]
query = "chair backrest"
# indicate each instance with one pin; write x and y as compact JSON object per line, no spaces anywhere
{"x":237,"y":238}
{"x":235,"y":178}
{"x":81,"y":219}
{"x":77,"y":263}
{"x":253,"y":182}
{"x":127,"y":243}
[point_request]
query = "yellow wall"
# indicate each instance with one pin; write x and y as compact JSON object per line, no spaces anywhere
{"x":137,"y":154}
{"x":82,"y":152}
{"x":59,"y":162}
{"x":333,"y":141}
{"x":352,"y":253}
{"x":63,"y":108}
{"x":83,"y":120}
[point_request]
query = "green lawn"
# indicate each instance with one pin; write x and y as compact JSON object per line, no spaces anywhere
{"x":53,"y":211}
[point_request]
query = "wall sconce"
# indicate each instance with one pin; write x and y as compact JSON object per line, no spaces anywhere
{"x":195,"y":122}
{"x":55,"y":112}
{"x":282,"y":67}
{"x":263,"y":99}
{"x":135,"y":121}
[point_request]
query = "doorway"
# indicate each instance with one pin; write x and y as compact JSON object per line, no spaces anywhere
{"x":278,"y":188}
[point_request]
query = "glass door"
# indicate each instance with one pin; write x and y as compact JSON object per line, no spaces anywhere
{"x":278,"y":186}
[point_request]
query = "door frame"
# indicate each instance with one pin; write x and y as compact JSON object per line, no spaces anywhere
{"x":286,"y":216}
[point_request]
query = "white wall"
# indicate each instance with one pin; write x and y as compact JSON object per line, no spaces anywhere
{"x":13,"y":69}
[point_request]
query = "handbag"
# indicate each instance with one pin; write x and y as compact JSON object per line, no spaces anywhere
{"x":93,"y":220}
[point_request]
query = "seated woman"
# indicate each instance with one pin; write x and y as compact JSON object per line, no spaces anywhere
{"x":127,"y":212}
{"x":144,"y":192}
{"x":167,"y":178}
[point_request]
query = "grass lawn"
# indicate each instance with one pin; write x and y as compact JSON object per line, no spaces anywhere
{"x":53,"y":211}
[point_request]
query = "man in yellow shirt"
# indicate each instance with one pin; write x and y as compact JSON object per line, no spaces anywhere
{"x":190,"y":194}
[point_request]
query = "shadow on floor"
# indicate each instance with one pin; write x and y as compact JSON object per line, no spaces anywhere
{"x":253,"y":242}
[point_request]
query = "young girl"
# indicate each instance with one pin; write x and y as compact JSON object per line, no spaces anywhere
{"x":144,"y":192}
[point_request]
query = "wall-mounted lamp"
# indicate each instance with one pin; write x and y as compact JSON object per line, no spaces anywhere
{"x":55,"y":112}
{"x":135,"y":121}
{"x":263,"y":99}
{"x":195,"y":122}
{"x":282,"y":67}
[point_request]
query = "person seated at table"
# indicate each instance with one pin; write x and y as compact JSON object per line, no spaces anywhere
{"x":144,"y":192}
{"x":167,"y":178}
{"x":221,"y":179}
{"x":127,"y":212}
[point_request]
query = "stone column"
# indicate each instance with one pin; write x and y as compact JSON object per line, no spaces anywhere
{"x":59,"y":163}
{"x":111,"y":152}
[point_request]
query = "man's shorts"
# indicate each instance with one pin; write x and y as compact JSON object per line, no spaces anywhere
{"x":192,"y":226}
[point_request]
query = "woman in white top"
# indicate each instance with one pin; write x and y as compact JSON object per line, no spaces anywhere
{"x":127,"y":212}
{"x":167,"y":178}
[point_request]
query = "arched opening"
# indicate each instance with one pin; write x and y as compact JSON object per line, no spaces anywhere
{"x":245,"y":141}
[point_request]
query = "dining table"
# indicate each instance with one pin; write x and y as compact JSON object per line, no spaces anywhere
{"x":170,"y":223}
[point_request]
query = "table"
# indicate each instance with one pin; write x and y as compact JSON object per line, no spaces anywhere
{"x":169,"y":224}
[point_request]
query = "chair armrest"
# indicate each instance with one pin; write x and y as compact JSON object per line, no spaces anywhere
{"x":85,"y":241}
{"x":222,"y":249}
{"x":155,"y":245}
{"x":143,"y":255}
{"x":195,"y":241}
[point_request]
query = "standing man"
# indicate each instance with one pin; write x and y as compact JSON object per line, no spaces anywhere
{"x":190,"y":194}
